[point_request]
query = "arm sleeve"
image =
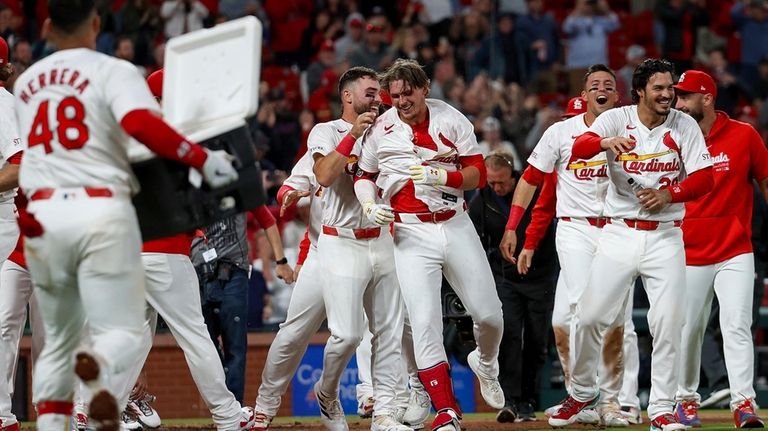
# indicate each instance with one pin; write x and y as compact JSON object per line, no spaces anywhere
{"x":542,"y":214}
{"x":149,"y":129}
{"x":303,"y":248}
{"x":478,"y":162}
{"x":695,"y":186}
{"x":264,"y":218}
{"x":587,"y":146}
{"x":533,"y":176}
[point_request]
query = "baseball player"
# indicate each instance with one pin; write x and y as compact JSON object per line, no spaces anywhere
{"x":76,"y":109}
{"x":172,"y":291}
{"x":650,"y":149}
{"x":357,"y":266}
{"x":422,"y":155}
{"x":580,"y":190}
{"x":718,"y":252}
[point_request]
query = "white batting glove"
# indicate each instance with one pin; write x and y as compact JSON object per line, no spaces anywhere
{"x":380,"y":214}
{"x":218,"y":170}
{"x":428,"y":175}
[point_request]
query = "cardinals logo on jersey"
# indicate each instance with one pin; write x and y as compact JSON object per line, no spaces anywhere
{"x":587,"y":170}
{"x":637,"y":163}
{"x":670,"y":143}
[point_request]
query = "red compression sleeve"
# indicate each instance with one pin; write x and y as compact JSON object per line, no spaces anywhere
{"x":533,"y":176}
{"x":264,"y":218}
{"x":587,"y":146}
{"x":476,"y":161}
{"x":515,"y":215}
{"x":149,"y":129}
{"x":695,"y":186}
{"x":282,"y":192}
{"x":542,"y":214}
{"x":303,"y":248}
{"x":16,"y":158}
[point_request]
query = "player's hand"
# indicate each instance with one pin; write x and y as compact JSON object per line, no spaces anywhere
{"x":285,"y":273}
{"x":618,"y":144}
{"x":654,"y":200}
{"x":362,"y":122}
{"x":524,"y":260}
{"x":296,"y":271}
{"x":291,"y":198}
{"x":428,"y":175}
{"x":508,"y":245}
{"x":218,"y":170}
{"x":380,"y":214}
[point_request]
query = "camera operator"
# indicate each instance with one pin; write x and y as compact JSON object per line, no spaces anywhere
{"x":527,"y":300}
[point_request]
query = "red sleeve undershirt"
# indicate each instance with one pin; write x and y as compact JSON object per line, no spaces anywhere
{"x":303,"y":248}
{"x":476,"y":161}
{"x":695,"y":186}
{"x":587,"y":146}
{"x":264,"y":218}
{"x":15,"y":159}
{"x":533,"y":176}
{"x":149,"y":129}
{"x":542,"y":214}
{"x":284,"y":189}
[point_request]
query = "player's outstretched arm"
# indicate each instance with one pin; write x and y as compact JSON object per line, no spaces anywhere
{"x":541,"y":217}
{"x":526,"y":187}
{"x":269,"y":224}
{"x":695,"y":186}
{"x":149,"y":129}
{"x":329,"y":167}
{"x":591,"y":144}
{"x":287,"y":196}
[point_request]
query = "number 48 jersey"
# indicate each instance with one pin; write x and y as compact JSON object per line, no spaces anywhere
{"x":69,"y":106}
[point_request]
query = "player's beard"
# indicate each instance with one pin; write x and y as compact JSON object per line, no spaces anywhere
{"x":697,"y":114}
{"x":362,"y":108}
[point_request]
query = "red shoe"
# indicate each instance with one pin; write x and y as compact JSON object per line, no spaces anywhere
{"x":666,"y":422}
{"x":12,"y":427}
{"x":569,"y":411}
{"x":745,"y":417}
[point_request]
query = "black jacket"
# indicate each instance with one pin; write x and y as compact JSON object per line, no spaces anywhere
{"x":490,"y":219}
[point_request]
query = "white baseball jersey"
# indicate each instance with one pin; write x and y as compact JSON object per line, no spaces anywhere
{"x":10,"y":143}
{"x":662,"y":156}
{"x":340,"y":205}
{"x":303,"y":179}
{"x":69,"y":106}
{"x":581,"y":184}
{"x":390,"y":149}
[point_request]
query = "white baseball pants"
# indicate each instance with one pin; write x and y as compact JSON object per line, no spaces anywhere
{"x":622,"y":254}
{"x":423,"y":253}
{"x":733,"y":282}
{"x":359,"y":275}
{"x":173,"y":291}
{"x":86,"y":265}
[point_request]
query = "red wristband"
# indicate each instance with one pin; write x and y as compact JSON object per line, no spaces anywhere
{"x":515,"y":215}
{"x":345,"y":146}
{"x":454,"y":179}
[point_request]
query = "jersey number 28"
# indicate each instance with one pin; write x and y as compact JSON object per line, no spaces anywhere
{"x":71,"y":131}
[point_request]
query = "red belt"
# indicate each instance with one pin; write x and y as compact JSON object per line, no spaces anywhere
{"x":597,"y":222}
{"x":94,"y":192}
{"x":435,"y":217}
{"x":647,"y":224}
{"x":371,"y":233}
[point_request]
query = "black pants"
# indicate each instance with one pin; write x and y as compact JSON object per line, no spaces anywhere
{"x":527,"y":311}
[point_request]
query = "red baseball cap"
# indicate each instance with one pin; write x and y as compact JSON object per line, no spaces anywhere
{"x":327,"y":45}
{"x":576,"y":106}
{"x":696,"y":81}
{"x":3,"y":51}
{"x":155,"y":82}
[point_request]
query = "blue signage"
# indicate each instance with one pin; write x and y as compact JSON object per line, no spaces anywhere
{"x":303,"y":402}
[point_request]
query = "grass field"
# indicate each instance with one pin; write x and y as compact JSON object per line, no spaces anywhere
{"x":712,"y":420}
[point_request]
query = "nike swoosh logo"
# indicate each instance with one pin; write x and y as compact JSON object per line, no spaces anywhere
{"x":631,"y":127}
{"x":387,"y":128}
{"x":341,"y":131}
{"x":574,"y":136}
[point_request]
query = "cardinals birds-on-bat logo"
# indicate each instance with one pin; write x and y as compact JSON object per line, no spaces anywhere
{"x":670,"y":143}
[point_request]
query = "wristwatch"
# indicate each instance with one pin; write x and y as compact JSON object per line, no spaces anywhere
{"x":283,"y":261}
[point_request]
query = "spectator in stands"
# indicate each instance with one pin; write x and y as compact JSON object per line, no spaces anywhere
{"x":444,"y":71}
{"x":124,"y":50}
{"x":541,"y":47}
{"x":492,"y":141}
{"x":374,"y":52}
{"x":468,"y":37}
{"x":437,"y":15}
{"x":21,"y":57}
{"x":634,"y":56}
{"x":320,"y":30}
{"x":587,"y":29}
{"x":729,"y":88}
{"x":326,"y":59}
{"x":761,"y":86}
{"x":500,"y":53}
{"x":750,"y":18}
{"x":353,"y":36}
{"x":681,"y":20}
{"x":140,"y":20}
{"x":182,"y":16}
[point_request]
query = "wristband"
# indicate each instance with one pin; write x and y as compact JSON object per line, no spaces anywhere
{"x":515,"y":215}
{"x":454,"y":179}
{"x":283,"y":261}
{"x":345,"y":146}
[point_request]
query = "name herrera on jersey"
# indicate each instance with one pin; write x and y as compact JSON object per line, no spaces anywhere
{"x":635,"y":164}
{"x":64,"y":76}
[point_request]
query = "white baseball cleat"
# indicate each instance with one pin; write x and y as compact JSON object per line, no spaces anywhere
{"x":261,"y":420}
{"x":632,"y":414}
{"x":387,"y":423}
{"x":419,"y":405}
{"x":365,"y":407}
{"x":145,"y":414}
{"x":331,"y":413}
{"x":128,"y":422}
{"x":612,"y":418}
{"x":490,"y":388}
{"x":247,"y":418}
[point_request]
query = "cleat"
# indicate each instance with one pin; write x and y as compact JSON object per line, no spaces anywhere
{"x":632,"y":414}
{"x":666,"y":422}
{"x":612,"y":418}
{"x":419,"y":405}
{"x":506,"y":415}
{"x":145,"y":414}
{"x":525,"y":412}
{"x":261,"y":421}
{"x":387,"y":423}
{"x":247,"y":418}
{"x":569,"y":410}
{"x":331,"y":413}
{"x":128,"y":422}
{"x":490,"y":388}
{"x":744,"y":416}
{"x":687,"y":413}
{"x":446,"y":420}
{"x":365,"y":408}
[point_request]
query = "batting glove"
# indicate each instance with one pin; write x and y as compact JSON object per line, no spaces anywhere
{"x":428,"y":175}
{"x":218,"y":170}
{"x":380,"y":214}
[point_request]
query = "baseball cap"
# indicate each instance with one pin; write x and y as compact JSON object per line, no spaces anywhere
{"x":327,"y":45}
{"x":3,"y":52}
{"x":155,"y":82}
{"x":696,"y":81}
{"x":355,"y":20}
{"x":576,"y":106}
